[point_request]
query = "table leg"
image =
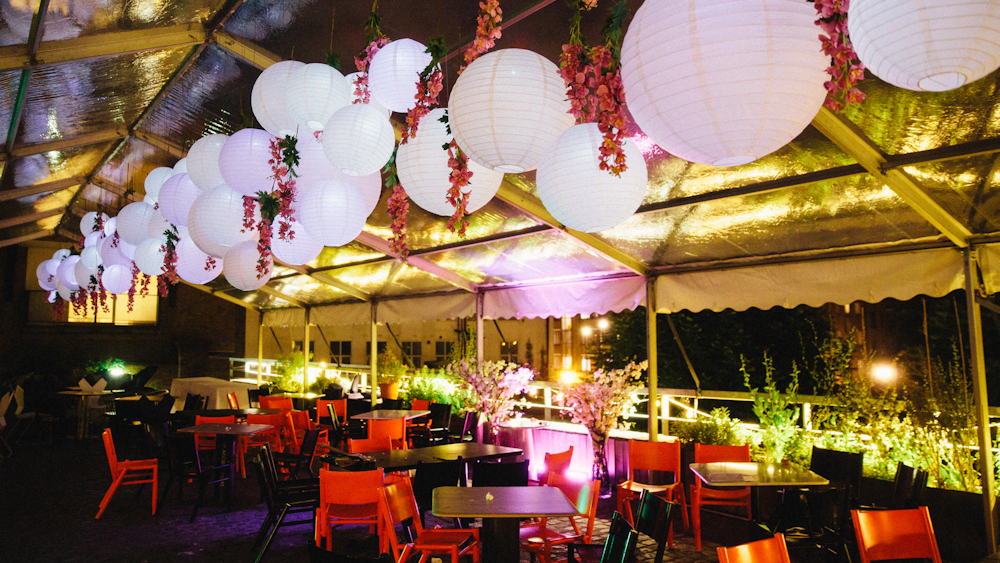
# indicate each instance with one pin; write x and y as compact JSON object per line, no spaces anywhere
{"x":232,"y":472}
{"x":499,"y":540}
{"x":83,"y":411}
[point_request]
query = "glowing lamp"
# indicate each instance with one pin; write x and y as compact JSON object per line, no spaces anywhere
{"x":356,"y":97}
{"x":193,"y":265}
{"x":158,"y":226}
{"x":176,"y":198}
{"x":219,"y":215}
{"x":67,"y":273}
{"x":301,"y":249}
{"x":884,"y":373}
{"x":91,"y":256}
{"x":83,"y":275}
{"x":149,"y":256}
{"x":181,"y":166}
{"x":333,"y":213}
{"x":154,"y":181}
{"x":116,"y":279}
{"x":46,"y":280}
{"x":200,"y":240}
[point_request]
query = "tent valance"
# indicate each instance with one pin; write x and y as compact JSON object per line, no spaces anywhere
{"x":568,"y":299}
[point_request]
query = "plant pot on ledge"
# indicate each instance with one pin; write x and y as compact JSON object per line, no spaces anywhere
{"x":389,"y":390}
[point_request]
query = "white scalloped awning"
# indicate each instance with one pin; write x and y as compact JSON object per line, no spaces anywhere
{"x":566,"y":299}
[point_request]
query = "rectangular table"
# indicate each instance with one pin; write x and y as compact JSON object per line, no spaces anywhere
{"x":501,"y":515}
{"x":401,"y":460}
{"x":213,"y":388}
{"x":390,"y":414}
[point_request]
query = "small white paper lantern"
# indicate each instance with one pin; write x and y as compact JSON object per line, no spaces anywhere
{"x":91,"y":257}
{"x":64,"y":292}
{"x":301,"y":249}
{"x":46,"y":280}
{"x":150,"y":200}
{"x":267,"y":99}
{"x":154,"y":181}
{"x":176,"y":198}
{"x":240,"y":267}
{"x":203,"y":161}
{"x":333,"y":213}
{"x":507,"y":107}
{"x":110,"y":225}
{"x":83,"y":274}
{"x":92,"y":239}
{"x":723,"y":83}
{"x":111,"y":255}
{"x":191,"y":262}
{"x":149,"y":256}
{"x":359,"y":140}
{"x":127,"y":250}
{"x":394,"y":72}
{"x":313,"y":93}
{"x":200,"y":240}
{"x":315,"y":167}
{"x":933,"y":45}
{"x":219,"y":214}
{"x":67,"y":273}
{"x":424,"y":172}
{"x":158,"y":226}
{"x":181,"y":167}
{"x":243,"y":162}
{"x":133,"y":221}
{"x":577,"y":192}
{"x":117,"y":279}
{"x":52,"y":264}
{"x":356,"y":98}
{"x":88,"y":223}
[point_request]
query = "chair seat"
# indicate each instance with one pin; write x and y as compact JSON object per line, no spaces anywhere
{"x":533,"y":533}
{"x":434,"y":540}
{"x":637,"y":488}
{"x":352,"y":511}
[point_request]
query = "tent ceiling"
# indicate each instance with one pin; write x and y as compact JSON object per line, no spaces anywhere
{"x":93,"y":98}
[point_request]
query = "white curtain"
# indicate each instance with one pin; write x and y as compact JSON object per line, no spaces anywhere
{"x":567,"y":299}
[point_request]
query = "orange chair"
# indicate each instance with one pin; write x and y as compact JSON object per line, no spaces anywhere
{"x":895,"y":534}
{"x":127,"y":472}
{"x":234,"y":402}
{"x":538,"y":538}
{"x":275,"y":402}
{"x":422,"y":422}
{"x":394,"y":429}
{"x":271,"y":437}
{"x":555,"y":464}
{"x":771,"y":550}
{"x":396,"y":503}
{"x":382,"y":444}
{"x":348,"y":497}
{"x":728,"y":496}
{"x":653,"y":456}
{"x":339,"y":407}
{"x":206,"y":442}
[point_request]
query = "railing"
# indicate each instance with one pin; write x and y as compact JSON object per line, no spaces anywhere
{"x":247,"y":370}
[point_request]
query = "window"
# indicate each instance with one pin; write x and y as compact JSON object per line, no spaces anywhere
{"x":508,"y":351}
{"x":297,"y":346}
{"x":443,"y":350}
{"x":414,"y":351}
{"x":382,"y":347}
{"x":340,"y":352}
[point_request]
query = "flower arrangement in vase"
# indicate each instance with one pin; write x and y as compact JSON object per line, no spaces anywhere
{"x":492,"y":389}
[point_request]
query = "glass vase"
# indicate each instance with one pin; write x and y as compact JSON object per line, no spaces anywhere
{"x":600,"y":468}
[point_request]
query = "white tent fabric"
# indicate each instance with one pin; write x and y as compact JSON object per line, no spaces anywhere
{"x":568,"y":299}
{"x":989,"y":263}
{"x":866,"y":278}
{"x":424,"y":309}
{"x":329,"y":315}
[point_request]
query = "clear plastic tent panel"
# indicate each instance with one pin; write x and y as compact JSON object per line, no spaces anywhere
{"x":67,"y":19}
{"x":10,"y":84}
{"x":332,"y":257}
{"x":412,"y":281}
{"x":15,"y":21}
{"x":308,"y":289}
{"x":58,"y":165}
{"x":38,"y":204}
{"x":131,"y":163}
{"x":967,"y":188}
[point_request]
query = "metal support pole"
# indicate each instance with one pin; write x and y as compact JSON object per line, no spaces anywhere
{"x":981,"y":399}
{"x":651,"y":408}
{"x":374,"y":353}
{"x":260,"y":348}
{"x":547,"y":393}
{"x":305,"y":352}
{"x":479,"y":330}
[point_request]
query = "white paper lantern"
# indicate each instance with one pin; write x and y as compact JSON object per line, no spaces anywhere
{"x":176,"y":197}
{"x":359,"y":140}
{"x":154,"y":181}
{"x":110,"y":226}
{"x":181,"y":166}
{"x":61,"y":254}
{"x":723,"y":83}
{"x":91,"y":257}
{"x":267,"y":99}
{"x":112,"y":254}
{"x":83,"y":275}
{"x":577,"y":192}
{"x":507,"y":107}
{"x":244,"y":162}
{"x":313,"y":93}
{"x":158,"y":226}
{"x":192,"y":262}
{"x":394,"y":72}
{"x":240,"y":267}
{"x":424,"y":172}
{"x":46,"y":280}
{"x":149,"y":256}
{"x":932,"y":45}
{"x":133,"y":222}
{"x":315,"y":167}
{"x":88,"y":223}
{"x":51,"y":296}
{"x":127,"y":250}
{"x":203,"y":161}
{"x":356,"y":97}
{"x":116,"y":279}
{"x":200,"y":240}
{"x":150,"y":200}
{"x":64,"y":292}
{"x":301,"y":249}
{"x":67,"y":273}
{"x":92,"y":239}
{"x":52,"y":264}
{"x":333,"y":213}
{"x":220,"y":217}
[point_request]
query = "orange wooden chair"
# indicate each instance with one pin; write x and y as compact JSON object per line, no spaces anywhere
{"x":895,"y":534}
{"x":396,"y":504}
{"x":206,"y":442}
{"x":271,"y":437}
{"x":127,"y":472}
{"x":382,"y":444}
{"x":423,"y":422}
{"x":728,"y":496}
{"x":348,"y":497}
{"x":538,"y":538}
{"x":555,"y":464}
{"x":234,"y":402}
{"x":275,"y":402}
{"x":653,"y":456}
{"x":771,"y":550}
{"x":394,"y":429}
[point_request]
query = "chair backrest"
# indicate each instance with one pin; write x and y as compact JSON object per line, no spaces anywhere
{"x":288,"y":435}
{"x":908,"y":488}
{"x":234,"y":401}
{"x":350,"y":487}
{"x":164,"y":407}
{"x":583,"y":495}
{"x":486,"y":474}
{"x":109,"y":449}
{"x":207,"y":441}
{"x":620,"y":545}
{"x":194,"y":402}
{"x":471,"y":421}
{"x":396,"y":504}
{"x":275,"y":402}
{"x":557,"y":463}
{"x":19,"y":398}
{"x":382,"y":444}
{"x":394,"y":429}
{"x":711,"y":454}
{"x":267,"y":477}
{"x":771,"y":550}
{"x":430,"y":476}
{"x":654,"y":516}
{"x":895,"y":534}
{"x":253,"y":395}
{"x":420,"y":404}
{"x":308,"y":446}
{"x":301,"y":419}
{"x":839,"y":467}
{"x":276,"y":421}
{"x":654,"y":456}
{"x":4,"y":405}
{"x":389,"y":405}
{"x":322,"y":412}
{"x":333,"y":418}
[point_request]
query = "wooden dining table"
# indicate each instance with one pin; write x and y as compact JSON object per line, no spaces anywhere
{"x":83,"y":407}
{"x":390,"y":414}
{"x":402,"y":460}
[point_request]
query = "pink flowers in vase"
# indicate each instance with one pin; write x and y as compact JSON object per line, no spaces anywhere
{"x":493,"y":390}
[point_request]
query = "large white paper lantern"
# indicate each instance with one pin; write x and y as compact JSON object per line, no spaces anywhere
{"x":181,"y":166}
{"x":203,"y":161}
{"x":88,"y":224}
{"x":64,"y":292}
{"x":46,"y":280}
{"x":192,"y":262}
{"x":67,"y":273}
{"x":723,"y":83}
{"x":176,"y":197}
{"x":219,"y":214}
{"x":83,"y":274}
{"x":52,"y":265}
{"x":577,"y":192}
{"x":91,"y":256}
{"x":359,"y":140}
{"x":112,"y":254}
{"x":299,"y":250}
{"x":424,"y":172}
{"x":158,"y":226}
{"x":116,"y":279}
{"x":315,"y":167}
{"x":127,"y":250}
{"x":244,"y":162}
{"x":149,"y":256}
{"x":240,"y":267}
{"x":932,"y":45}
{"x":133,"y":222}
{"x":154,"y":181}
{"x":313,"y":93}
{"x":356,"y":97}
{"x":507,"y":107}
{"x":200,"y":240}
{"x":333,"y":213}
{"x":267,"y":99}
{"x":394,"y":72}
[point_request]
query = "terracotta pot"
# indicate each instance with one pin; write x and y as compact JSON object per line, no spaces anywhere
{"x":389,"y":390}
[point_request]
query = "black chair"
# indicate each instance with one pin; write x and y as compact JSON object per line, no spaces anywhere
{"x":293,"y":463}
{"x":487,"y":474}
{"x":337,"y":431}
{"x":655,"y":518}
{"x":333,"y":392}
{"x":468,"y":433}
{"x":181,"y":455}
{"x":429,"y":476}
{"x":619,"y":547}
{"x":389,"y":405}
{"x":282,"y":499}
{"x":194,"y":402}
{"x":827,"y":510}
{"x":437,"y":430}
{"x":253,"y":395}
{"x":908,"y":488}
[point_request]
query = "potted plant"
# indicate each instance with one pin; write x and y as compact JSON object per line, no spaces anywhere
{"x":492,"y":390}
{"x":390,"y":375}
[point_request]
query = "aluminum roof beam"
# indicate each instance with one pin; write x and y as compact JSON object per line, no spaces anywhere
{"x":30,"y":217}
{"x":246,"y":50}
{"x":26,"y":238}
{"x":222,"y":295}
{"x":381,"y":245}
{"x":72,"y":142}
{"x":328,"y":280}
{"x":46,"y":187}
{"x":275,"y":293}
